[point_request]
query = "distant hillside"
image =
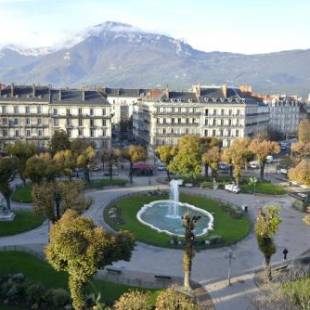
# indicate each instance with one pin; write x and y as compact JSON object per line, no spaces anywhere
{"x":119,"y":55}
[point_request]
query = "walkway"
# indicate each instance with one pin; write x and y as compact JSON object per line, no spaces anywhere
{"x":210,"y":266}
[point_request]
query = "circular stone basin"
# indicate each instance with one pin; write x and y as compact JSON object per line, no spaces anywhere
{"x":156,"y":215}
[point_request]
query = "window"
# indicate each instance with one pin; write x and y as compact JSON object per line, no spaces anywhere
{"x":80,"y":131}
{"x":68,"y":112}
{"x":68,"y":121}
{"x":221,"y":133}
{"x":27,"y":110}
{"x":80,"y":122}
{"x":229,"y":122}
{"x":55,"y":112}
{"x":92,"y":123}
{"x":228,"y":132}
{"x":16,"y":133}
{"x":222,"y":122}
{"x":104,"y":122}
{"x":206,"y":121}
{"x":56,"y":122}
{"x":187,"y":131}
{"x":164,"y":130}
{"x":237,"y":133}
{"x":104,"y":132}
{"x":27,"y":121}
{"x":92,"y":132}
{"x":179,"y":121}
{"x":40,"y":133}
{"x":238,"y":112}
{"x":206,"y":112}
{"x":91,"y":111}
{"x":80,"y":111}
{"x":206,"y":132}
{"x":214,"y":112}
{"x":69,"y":132}
{"x":15,"y":110}
{"x":3,"y":109}
{"x":28,"y":133}
{"x":230,"y":112}
{"x":39,"y":121}
{"x":213,"y":132}
{"x":4,"y":132}
{"x":4,"y":121}
{"x":39,"y":110}
{"x":15,"y":121}
{"x":222,"y":112}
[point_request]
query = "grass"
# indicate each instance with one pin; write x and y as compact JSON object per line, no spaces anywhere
{"x":229,"y":228}
{"x":22,"y":194}
{"x":40,"y":271}
{"x":24,"y":220}
{"x":100,"y":183}
{"x":264,"y":188}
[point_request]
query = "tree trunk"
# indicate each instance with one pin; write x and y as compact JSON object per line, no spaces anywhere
{"x":262,"y":171}
{"x":8,"y":202}
{"x":131,"y":172}
{"x":268,"y":268}
{"x":206,"y":170}
{"x":111,"y":170}
{"x":102,"y":167}
{"x":168,"y":174}
{"x":23,"y":178}
{"x":86,"y":175}
{"x":231,"y":169}
{"x":77,"y":290}
{"x":187,"y":282}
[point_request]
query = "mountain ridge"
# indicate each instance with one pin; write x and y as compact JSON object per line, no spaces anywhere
{"x":120,"y":55}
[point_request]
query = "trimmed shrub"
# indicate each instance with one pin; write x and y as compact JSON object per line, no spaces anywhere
{"x":133,"y":300}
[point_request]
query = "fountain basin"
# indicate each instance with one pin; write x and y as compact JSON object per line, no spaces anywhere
{"x":156,"y":216}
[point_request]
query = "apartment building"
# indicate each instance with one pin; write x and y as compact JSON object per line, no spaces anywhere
{"x":34,"y":113}
{"x":211,"y":111}
{"x":285,"y":114}
{"x":122,"y":101}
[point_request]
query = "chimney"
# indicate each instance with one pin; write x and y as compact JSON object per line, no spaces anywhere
{"x":33,"y":90}
{"x":83,"y":95}
{"x":224,"y":90}
{"x":197,"y":90}
{"x":12,"y":89}
{"x":60,"y":95}
{"x":166,"y":91}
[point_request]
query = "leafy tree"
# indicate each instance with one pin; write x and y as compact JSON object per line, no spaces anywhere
{"x":8,"y":168}
{"x":267,"y":224}
{"x":301,"y":150}
{"x":133,"y":300}
{"x":134,"y":154}
{"x":174,"y":300}
{"x":166,"y":154}
{"x":66,"y":162}
{"x":238,"y":155}
{"x":189,"y":223}
{"x":40,"y":167}
{"x":84,"y":160}
{"x":304,"y":131}
{"x":301,"y":173}
{"x":22,"y":151}
{"x":261,"y":149}
{"x":52,"y":199}
{"x":59,"y":142}
{"x":111,"y":156}
{"x":205,"y":144}
{"x":79,"y":247}
{"x":212,"y":158}
{"x":79,"y":145}
{"x":187,"y":161}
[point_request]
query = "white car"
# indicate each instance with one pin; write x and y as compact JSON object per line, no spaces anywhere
{"x":283,"y":171}
{"x":232,"y":188}
{"x":269,"y":159}
{"x":254,"y":164}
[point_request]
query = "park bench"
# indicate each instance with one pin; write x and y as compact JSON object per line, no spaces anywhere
{"x":111,"y":270}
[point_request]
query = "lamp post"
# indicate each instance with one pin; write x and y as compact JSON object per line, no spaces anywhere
{"x":189,"y":223}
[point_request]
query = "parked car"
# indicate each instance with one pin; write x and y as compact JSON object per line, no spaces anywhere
{"x":283,"y":171}
{"x":232,"y":188}
{"x":254,"y":164}
{"x":161,"y":167}
{"x":269,"y":159}
{"x":224,"y":166}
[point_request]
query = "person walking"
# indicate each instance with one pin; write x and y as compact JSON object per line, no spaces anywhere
{"x":285,"y":252}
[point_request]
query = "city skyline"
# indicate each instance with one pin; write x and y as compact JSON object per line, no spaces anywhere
{"x":261,"y":27}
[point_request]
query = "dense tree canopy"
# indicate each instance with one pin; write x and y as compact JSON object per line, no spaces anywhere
{"x":261,"y":149}
{"x":8,"y":168}
{"x":79,"y":247}
{"x":212,"y":158}
{"x":85,"y":159}
{"x":22,"y":151}
{"x":66,"y":162}
{"x":187,"y":161}
{"x":59,"y":142}
{"x":301,"y":173}
{"x":166,"y":154}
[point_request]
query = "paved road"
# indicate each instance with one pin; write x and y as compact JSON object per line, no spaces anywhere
{"x":210,"y":266}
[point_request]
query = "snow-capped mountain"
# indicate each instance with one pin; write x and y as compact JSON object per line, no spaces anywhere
{"x":121,"y":55}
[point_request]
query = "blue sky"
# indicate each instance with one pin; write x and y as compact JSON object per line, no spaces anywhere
{"x":245,"y":26}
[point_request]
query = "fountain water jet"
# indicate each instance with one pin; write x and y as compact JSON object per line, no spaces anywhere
{"x":173,"y":210}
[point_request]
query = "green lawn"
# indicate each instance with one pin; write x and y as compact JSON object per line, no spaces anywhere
{"x":40,"y":271}
{"x":22,"y":194}
{"x":230,"y":229}
{"x":24,"y":220}
{"x":100,"y":183}
{"x":264,"y":188}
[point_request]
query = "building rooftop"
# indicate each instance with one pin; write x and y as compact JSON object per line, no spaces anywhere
{"x":26,"y":93}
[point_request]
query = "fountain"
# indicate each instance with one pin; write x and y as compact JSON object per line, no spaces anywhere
{"x":166,"y":215}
